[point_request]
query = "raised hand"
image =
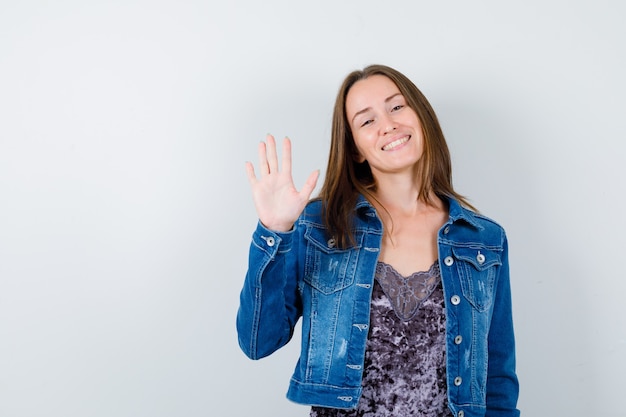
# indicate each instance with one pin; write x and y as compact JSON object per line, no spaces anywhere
{"x":278,"y":203}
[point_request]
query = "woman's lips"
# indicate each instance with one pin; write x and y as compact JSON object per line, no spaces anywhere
{"x":396,"y":143}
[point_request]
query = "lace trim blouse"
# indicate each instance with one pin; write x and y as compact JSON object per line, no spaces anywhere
{"x":404,"y":373}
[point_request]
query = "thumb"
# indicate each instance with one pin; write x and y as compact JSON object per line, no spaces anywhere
{"x":309,"y":185}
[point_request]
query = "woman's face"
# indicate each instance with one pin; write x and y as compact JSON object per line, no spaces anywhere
{"x":386,"y":131}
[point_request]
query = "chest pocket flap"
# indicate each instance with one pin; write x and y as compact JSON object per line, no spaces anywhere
{"x":328,"y":268}
{"x":478,"y":269}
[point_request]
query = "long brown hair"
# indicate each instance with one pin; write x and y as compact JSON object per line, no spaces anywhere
{"x":346,"y":177}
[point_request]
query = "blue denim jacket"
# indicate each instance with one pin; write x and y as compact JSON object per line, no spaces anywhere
{"x":302,"y":273}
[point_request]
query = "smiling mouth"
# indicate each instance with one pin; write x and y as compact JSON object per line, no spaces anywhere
{"x":396,"y":143}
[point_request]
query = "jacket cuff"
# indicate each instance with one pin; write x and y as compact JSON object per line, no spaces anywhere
{"x":271,"y":241}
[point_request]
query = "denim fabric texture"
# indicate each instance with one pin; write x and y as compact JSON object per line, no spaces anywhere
{"x":303,"y":274}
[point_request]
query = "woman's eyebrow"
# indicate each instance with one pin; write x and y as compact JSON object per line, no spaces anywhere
{"x":391,"y":97}
{"x":388,"y":99}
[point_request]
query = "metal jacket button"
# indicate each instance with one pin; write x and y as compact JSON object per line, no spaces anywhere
{"x":448,"y":261}
{"x":480,"y":258}
{"x":456,"y":300}
{"x":458,"y":340}
{"x":270,"y":241}
{"x":461,"y":413}
{"x":331,"y":242}
{"x":458,"y":381}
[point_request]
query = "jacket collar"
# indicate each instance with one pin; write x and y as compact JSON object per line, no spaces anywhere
{"x":455,"y":211}
{"x":363,"y":203}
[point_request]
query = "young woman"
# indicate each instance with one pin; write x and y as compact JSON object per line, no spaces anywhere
{"x":402,"y":287}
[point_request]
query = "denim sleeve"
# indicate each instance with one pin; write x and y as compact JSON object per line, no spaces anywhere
{"x":269,"y":302}
{"x":502,"y":382}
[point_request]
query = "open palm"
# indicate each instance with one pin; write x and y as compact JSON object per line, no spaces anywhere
{"x":278,"y":203}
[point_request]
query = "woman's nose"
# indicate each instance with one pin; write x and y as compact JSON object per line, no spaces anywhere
{"x":388,"y":125}
{"x":390,"y":128}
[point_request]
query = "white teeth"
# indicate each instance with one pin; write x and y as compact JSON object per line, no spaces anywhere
{"x":396,"y":143}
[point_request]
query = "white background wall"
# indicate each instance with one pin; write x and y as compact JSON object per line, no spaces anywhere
{"x":125,"y":213}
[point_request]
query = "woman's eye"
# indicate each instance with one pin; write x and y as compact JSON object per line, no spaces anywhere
{"x":398,"y":107}
{"x":367,"y":122}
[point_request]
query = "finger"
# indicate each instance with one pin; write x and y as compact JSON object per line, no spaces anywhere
{"x":263,"y":167}
{"x":309,"y":185}
{"x":250,"y":173}
{"x":286,"y":158}
{"x":272,"y":156}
